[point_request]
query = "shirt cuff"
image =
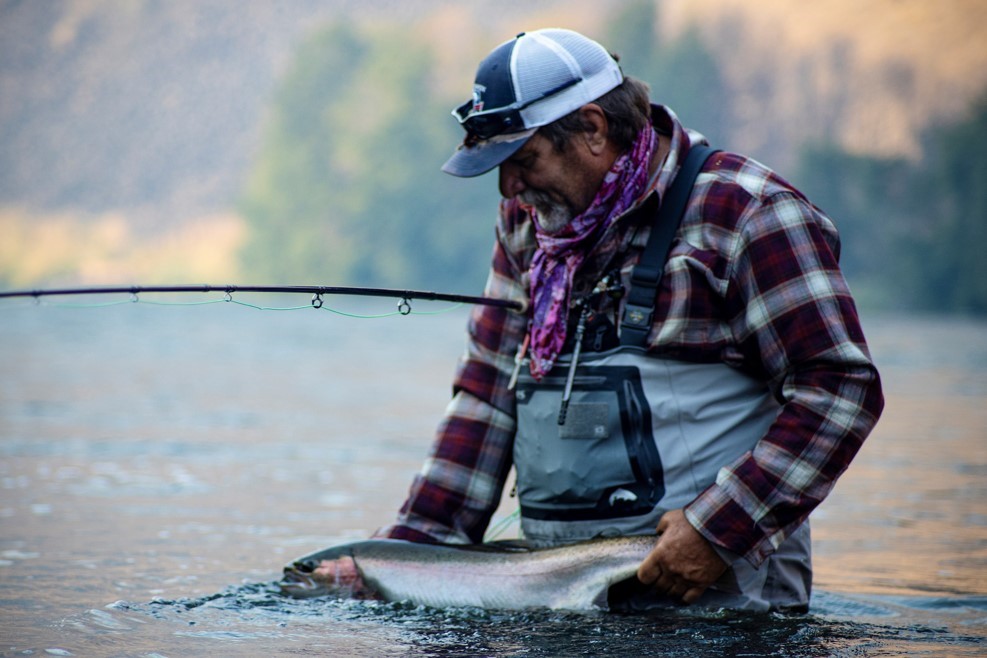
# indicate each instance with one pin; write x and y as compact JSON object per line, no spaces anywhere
{"x":398,"y":531}
{"x":728,"y":527}
{"x":728,"y":557}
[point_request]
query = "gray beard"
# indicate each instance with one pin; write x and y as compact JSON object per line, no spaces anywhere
{"x":552,"y":217}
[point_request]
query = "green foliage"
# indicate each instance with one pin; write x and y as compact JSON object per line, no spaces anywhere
{"x":683,"y":74}
{"x":347,"y":188}
{"x":913,"y":234}
{"x":861,"y":194}
{"x":296,"y":194}
{"x":955,"y":192}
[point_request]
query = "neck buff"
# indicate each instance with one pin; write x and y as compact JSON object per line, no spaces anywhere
{"x":559,"y":255}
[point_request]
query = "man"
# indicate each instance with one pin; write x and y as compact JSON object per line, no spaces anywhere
{"x":748,"y":393}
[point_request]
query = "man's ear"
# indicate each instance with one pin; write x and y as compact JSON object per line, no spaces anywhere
{"x":597,"y":134}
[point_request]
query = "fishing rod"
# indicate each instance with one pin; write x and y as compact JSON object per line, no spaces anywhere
{"x":317,"y":292}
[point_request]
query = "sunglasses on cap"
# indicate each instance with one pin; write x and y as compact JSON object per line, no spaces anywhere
{"x":485,"y":124}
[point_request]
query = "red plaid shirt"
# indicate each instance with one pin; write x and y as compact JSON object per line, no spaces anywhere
{"x":752,"y":281}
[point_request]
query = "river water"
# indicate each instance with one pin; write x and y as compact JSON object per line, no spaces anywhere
{"x":160,"y":464}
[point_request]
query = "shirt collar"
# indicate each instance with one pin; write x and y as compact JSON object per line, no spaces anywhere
{"x":667,"y":123}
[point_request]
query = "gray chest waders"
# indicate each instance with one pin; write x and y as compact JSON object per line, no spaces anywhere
{"x":600,"y":450}
{"x":607,"y":447}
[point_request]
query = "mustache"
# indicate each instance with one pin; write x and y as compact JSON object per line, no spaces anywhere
{"x":537,"y":198}
{"x":551,"y":216}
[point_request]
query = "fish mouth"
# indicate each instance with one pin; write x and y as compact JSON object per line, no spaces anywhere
{"x":299,"y":584}
{"x":314,"y":576}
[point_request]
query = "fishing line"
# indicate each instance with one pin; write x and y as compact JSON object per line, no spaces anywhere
{"x":329,"y":309}
{"x":501,"y":526}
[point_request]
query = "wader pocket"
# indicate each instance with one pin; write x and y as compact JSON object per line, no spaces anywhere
{"x":602,"y":463}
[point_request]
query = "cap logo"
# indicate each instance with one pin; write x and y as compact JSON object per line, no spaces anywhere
{"x":478,"y":97}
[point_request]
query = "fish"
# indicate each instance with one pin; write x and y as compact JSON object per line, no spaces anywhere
{"x":503,"y":576}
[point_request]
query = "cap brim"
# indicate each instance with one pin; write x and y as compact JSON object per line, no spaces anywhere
{"x":483,"y":156}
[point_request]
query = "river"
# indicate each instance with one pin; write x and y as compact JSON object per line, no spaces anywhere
{"x":159,"y":465}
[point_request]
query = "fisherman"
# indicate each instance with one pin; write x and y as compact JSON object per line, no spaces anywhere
{"x":715,"y":395}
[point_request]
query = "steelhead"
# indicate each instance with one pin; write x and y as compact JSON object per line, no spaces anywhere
{"x":571,"y":577}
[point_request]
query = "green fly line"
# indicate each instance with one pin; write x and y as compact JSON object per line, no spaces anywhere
{"x":503,"y":525}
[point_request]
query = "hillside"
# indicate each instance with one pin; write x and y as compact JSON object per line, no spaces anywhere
{"x":107,"y":104}
{"x":870,"y":75}
{"x":122,"y":121}
{"x":154,"y":107}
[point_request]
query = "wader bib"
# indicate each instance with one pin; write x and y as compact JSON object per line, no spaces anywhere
{"x":643,"y":435}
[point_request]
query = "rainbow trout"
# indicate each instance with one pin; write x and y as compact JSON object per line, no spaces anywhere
{"x":573,"y":577}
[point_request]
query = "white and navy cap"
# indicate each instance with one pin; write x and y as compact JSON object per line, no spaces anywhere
{"x":523,"y":84}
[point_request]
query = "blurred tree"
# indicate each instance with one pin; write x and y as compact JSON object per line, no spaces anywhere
{"x":912,"y":234}
{"x":347,"y":187}
{"x":953,"y":189}
{"x":682,"y":73}
{"x":864,"y":196}
{"x":295,"y":196}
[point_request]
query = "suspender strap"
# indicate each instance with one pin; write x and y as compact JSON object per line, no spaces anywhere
{"x":640,"y":307}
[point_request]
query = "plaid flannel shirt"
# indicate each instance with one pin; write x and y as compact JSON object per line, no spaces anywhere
{"x":752,"y":281}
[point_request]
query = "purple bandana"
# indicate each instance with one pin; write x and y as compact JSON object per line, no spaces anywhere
{"x":559,"y":256}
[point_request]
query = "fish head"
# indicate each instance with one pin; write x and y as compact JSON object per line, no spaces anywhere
{"x":338,"y":576}
{"x":300,"y":585}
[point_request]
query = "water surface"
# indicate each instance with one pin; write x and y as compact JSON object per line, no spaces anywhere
{"x":158,"y":466}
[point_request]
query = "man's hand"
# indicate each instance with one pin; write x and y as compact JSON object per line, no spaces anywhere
{"x":683,"y":564}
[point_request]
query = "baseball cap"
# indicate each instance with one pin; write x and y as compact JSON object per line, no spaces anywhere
{"x":523,"y":84}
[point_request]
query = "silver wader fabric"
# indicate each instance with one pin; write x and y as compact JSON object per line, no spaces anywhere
{"x":643,"y":436}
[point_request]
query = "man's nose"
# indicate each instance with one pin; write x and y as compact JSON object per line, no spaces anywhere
{"x":511,"y":183}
